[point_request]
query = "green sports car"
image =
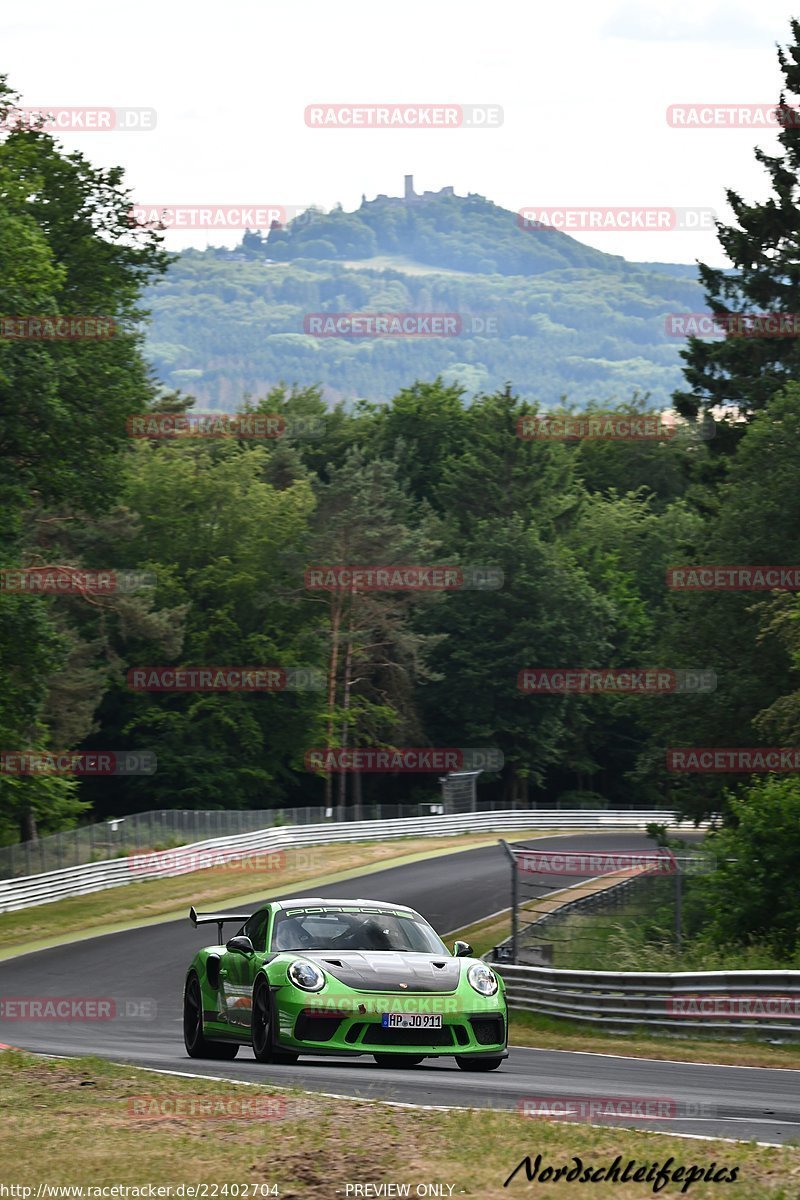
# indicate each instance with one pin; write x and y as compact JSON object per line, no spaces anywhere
{"x":312,"y":976}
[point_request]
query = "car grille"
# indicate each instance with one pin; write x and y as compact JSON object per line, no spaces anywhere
{"x":376,"y":1035}
{"x":316,"y":1029}
{"x":489,"y":1031}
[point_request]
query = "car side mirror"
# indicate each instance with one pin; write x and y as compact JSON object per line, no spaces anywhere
{"x":462,"y":949}
{"x":241,"y":944}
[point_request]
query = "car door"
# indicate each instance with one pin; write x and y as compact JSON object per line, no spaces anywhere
{"x":238,"y":970}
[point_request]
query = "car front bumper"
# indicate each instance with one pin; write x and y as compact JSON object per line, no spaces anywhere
{"x":334,"y":1024}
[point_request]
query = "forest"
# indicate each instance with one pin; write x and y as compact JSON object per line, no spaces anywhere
{"x":535,"y":306}
{"x":143,"y":543}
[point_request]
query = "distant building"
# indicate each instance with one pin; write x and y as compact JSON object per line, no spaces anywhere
{"x":409,"y":195}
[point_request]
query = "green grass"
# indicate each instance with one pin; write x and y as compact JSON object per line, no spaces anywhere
{"x":92,"y":1123}
{"x":559,"y":1033}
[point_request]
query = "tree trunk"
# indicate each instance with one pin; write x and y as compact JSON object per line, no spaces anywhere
{"x":348,"y":667}
{"x":357,"y":800}
{"x":27,"y":826}
{"x":333,"y":667}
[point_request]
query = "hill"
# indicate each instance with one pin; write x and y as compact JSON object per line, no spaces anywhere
{"x":466,"y":233}
{"x":536,"y":307}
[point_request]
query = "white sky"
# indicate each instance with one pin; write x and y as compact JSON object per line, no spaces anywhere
{"x":584,"y":86}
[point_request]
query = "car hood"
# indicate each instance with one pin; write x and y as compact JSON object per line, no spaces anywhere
{"x":386,"y":971}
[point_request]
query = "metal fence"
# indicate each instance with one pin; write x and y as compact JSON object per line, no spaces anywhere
{"x":161,"y":829}
{"x":564,"y":937}
{"x":548,"y":910}
{"x":46,"y":887}
{"x":764,"y":1004}
{"x":121,"y":836}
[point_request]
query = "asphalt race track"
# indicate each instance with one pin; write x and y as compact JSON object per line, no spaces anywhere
{"x":143,"y":971}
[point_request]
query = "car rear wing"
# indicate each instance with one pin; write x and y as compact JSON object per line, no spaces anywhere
{"x":218,"y":919}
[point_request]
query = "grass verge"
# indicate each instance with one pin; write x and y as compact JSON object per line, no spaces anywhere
{"x":553,"y":1033}
{"x":92,"y":1123}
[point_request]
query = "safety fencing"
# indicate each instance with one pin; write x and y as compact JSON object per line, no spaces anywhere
{"x":27,"y":891}
{"x":526,"y":948}
{"x":605,"y":879}
{"x":765,"y":1004}
{"x":118,"y":837}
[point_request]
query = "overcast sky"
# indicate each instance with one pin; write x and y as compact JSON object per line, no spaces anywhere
{"x":584,"y":87}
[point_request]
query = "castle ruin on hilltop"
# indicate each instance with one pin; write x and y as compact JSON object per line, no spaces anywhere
{"x":409,"y":195}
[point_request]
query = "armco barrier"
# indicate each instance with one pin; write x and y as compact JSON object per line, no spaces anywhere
{"x":710,"y":1001}
{"x":29,"y":890}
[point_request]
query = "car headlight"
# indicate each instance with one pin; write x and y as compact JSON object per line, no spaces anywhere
{"x":482,"y":979}
{"x":306,"y":975}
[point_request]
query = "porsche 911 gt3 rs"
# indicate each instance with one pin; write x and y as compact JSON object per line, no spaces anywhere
{"x":344,"y":977}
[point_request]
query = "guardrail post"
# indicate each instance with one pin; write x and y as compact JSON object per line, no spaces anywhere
{"x":514,"y":898}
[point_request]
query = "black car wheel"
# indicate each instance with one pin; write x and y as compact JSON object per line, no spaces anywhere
{"x":261,"y":1027}
{"x":478,"y":1064}
{"x":398,"y":1060}
{"x":197,"y":1045}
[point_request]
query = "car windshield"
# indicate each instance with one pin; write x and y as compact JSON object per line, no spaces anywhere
{"x":354,"y":929}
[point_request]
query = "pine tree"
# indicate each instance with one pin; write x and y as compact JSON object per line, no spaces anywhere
{"x":764,"y":248}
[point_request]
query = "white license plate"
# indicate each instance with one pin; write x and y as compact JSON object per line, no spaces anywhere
{"x":411,"y":1020}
